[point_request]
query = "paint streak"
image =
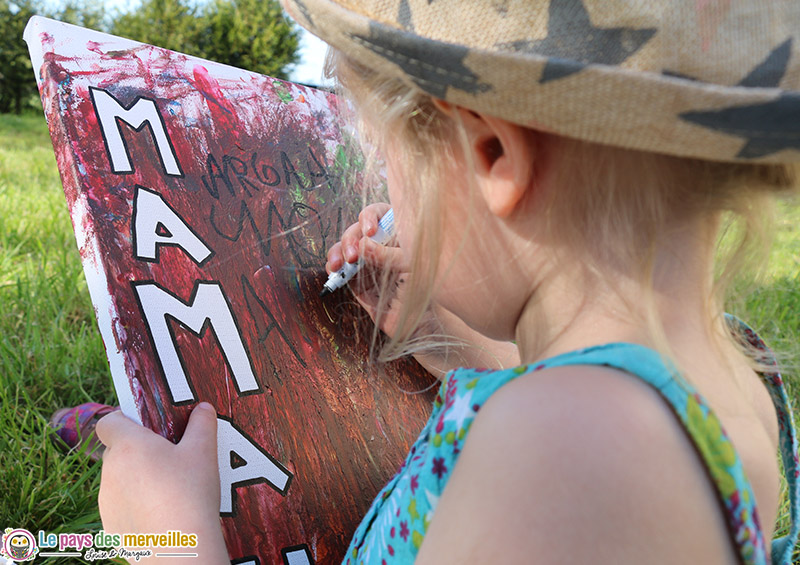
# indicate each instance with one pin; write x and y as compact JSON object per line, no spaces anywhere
{"x":224,"y":116}
{"x":277,"y":196}
{"x":282,"y":90}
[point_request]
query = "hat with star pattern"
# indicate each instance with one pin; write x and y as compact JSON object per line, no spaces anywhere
{"x":712,"y":79}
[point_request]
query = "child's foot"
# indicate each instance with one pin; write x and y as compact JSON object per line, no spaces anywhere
{"x":75,"y":427}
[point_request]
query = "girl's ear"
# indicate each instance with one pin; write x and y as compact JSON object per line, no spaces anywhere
{"x":503,"y":154}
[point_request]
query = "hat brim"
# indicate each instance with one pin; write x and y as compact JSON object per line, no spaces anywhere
{"x":600,"y":103}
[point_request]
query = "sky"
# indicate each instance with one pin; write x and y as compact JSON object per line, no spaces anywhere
{"x":312,"y":59}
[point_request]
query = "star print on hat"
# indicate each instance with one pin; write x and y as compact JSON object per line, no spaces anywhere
{"x":572,"y":41}
{"x":710,"y":79}
{"x":768,"y":127}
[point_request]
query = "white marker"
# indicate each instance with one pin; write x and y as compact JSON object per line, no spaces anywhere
{"x":348,"y":271}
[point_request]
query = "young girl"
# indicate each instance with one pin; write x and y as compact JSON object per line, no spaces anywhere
{"x":559,"y":173}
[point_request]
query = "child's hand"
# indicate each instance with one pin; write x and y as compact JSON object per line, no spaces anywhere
{"x":150,"y":485}
{"x":356,"y":244}
{"x":476,"y":350}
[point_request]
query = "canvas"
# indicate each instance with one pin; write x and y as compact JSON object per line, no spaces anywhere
{"x":204,"y":199}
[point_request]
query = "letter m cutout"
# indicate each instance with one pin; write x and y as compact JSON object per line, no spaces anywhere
{"x":143,"y":112}
{"x":207,"y":308}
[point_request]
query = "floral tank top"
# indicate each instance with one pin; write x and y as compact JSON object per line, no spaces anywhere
{"x":394,"y":527}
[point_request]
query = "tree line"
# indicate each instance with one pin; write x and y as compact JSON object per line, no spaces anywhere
{"x":251,"y":34}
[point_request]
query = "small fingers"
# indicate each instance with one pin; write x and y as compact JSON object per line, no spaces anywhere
{"x":201,"y":430}
{"x":368,"y":217}
{"x":345,"y":250}
{"x":348,"y":249}
{"x":350,"y":241}
{"x":383,"y":256}
{"x":115,"y":426}
{"x":335,"y":258}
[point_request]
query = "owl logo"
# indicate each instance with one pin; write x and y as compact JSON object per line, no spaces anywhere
{"x":18,"y":545}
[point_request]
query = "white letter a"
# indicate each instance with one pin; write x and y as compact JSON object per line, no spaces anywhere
{"x":155,"y":223}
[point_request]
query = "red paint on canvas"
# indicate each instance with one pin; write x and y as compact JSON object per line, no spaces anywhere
{"x":262,"y":189}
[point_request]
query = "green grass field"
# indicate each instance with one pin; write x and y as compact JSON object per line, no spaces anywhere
{"x":51,"y":354}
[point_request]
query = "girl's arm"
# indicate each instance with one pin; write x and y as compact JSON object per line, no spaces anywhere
{"x":151,"y":486}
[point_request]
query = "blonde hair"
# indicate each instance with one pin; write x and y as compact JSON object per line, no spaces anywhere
{"x":611,"y":206}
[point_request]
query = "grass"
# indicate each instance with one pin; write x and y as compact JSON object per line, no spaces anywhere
{"x":773,"y":309}
{"x":51,"y":354}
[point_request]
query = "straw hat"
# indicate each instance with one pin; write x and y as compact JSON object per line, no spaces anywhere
{"x":714,"y":79}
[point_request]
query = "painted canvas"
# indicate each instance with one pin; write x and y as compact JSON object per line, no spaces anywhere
{"x":204,"y":199}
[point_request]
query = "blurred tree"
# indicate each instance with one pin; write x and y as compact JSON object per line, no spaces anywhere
{"x":17,"y":82}
{"x":250,"y":34}
{"x":171,"y":24}
{"x":84,"y":13}
{"x":17,"y":78}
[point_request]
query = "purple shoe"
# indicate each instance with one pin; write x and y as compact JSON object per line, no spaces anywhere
{"x":75,"y":427}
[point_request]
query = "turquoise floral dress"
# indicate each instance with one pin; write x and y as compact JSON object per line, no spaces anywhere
{"x":395,"y":525}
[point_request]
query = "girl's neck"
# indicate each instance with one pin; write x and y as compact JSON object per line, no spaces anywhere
{"x":570,"y":309}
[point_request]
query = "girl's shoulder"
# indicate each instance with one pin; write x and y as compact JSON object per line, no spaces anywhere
{"x":606,"y":450}
{"x":578,"y":455}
